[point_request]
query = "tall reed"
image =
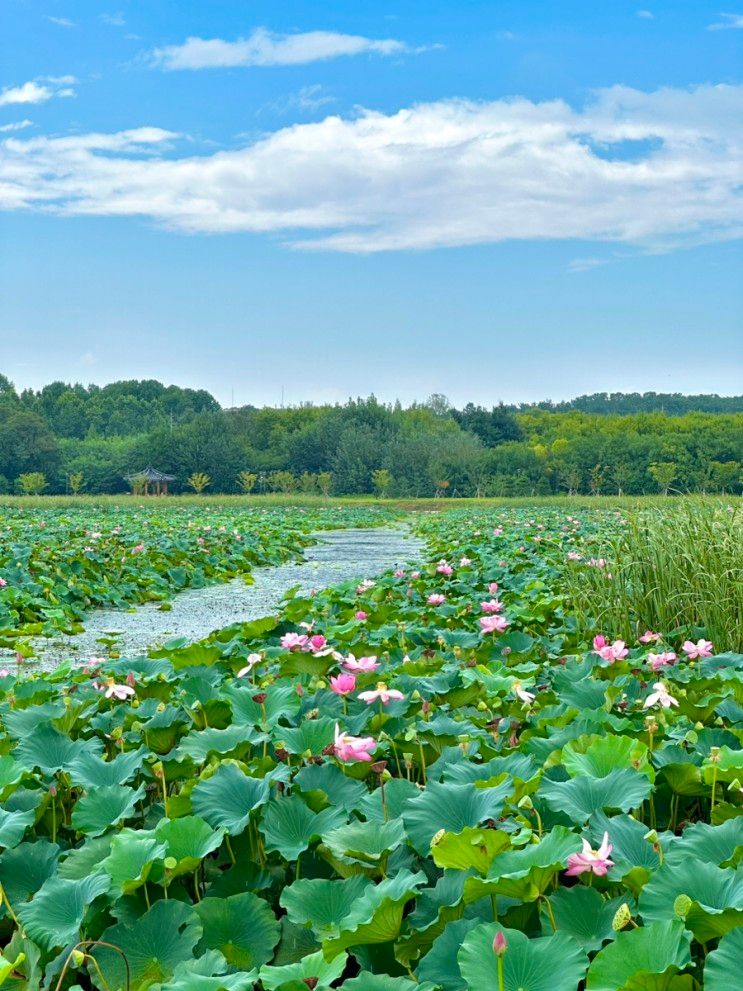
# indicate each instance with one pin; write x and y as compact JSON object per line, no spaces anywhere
{"x":676,"y":570}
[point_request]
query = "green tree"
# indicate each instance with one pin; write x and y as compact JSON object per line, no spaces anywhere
{"x":663,"y":472}
{"x":32,"y":482}
{"x":246,"y":480}
{"x":382,"y":480}
{"x":76,"y":481}
{"x":198,"y":481}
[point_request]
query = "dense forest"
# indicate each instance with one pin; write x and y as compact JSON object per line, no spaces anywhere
{"x":66,"y":438}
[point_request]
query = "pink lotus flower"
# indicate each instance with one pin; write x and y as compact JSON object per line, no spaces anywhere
{"x":293,"y":641}
{"x":343,"y":683}
{"x":4,"y":673}
{"x":361,"y":616}
{"x":614,"y":651}
{"x":381,"y":693}
{"x":465,"y":562}
{"x":694,"y":651}
{"x":574,"y":556}
{"x":599,"y":641}
{"x":444,"y":569}
{"x":352,"y":663}
{"x":138,"y":549}
{"x":365,"y":586}
{"x":664,"y":660}
{"x":415,"y":574}
{"x":120,"y":692}
{"x":253,"y":659}
{"x":399,"y":572}
{"x":3,"y":583}
{"x":588,"y":860}
{"x":348,"y":747}
{"x":492,"y":606}
{"x":316,"y":643}
{"x":660,"y":697}
{"x":493,"y":624}
{"x":649,"y":637}
{"x":498,"y":532}
{"x":436,"y":599}
{"x":493,"y":588}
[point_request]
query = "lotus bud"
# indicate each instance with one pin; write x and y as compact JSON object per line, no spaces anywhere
{"x":622,"y":918}
{"x":482,"y":706}
{"x":682,"y":906}
{"x":499,"y":944}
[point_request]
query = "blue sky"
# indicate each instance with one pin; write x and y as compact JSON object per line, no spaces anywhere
{"x":491,"y":200}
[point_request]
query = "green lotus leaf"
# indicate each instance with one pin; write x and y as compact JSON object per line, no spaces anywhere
{"x":49,"y":750}
{"x":54,"y":915}
{"x":323,"y":904}
{"x":396,"y":792}
{"x":89,"y":771}
{"x":365,"y":843}
{"x":722,"y":967}
{"x":472,"y":848}
{"x":641,"y":959}
{"x":293,"y":976}
{"x":226,"y":799}
{"x":375,"y":917}
{"x":451,"y":808}
{"x":289,"y":826}
{"x":720,"y":845}
{"x":281,"y":702}
{"x":525,"y":873}
{"x":133,"y":853}
{"x":188,"y":840}
{"x":7,"y":967}
{"x":580,"y":798}
{"x":331,"y":786}
{"x":208,"y":973}
{"x":634,"y":858}
{"x":85,"y":859}
{"x":727,"y":767}
{"x":242,"y":927}
{"x":312,"y":735}
{"x":582,"y":913}
{"x":440,"y":964}
{"x":597,"y":756}
{"x":548,"y":963}
{"x":383,"y":982}
{"x":24,"y":869}
{"x":11,"y":773}
{"x":715,"y":894}
{"x":200,"y":744}
{"x":12,"y":827}
{"x":95,"y":812}
{"x":154,"y":945}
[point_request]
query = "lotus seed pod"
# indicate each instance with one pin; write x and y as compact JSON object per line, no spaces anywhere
{"x":682,"y":906}
{"x":77,"y":958}
{"x":622,"y":917}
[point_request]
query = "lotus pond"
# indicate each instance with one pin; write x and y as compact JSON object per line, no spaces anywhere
{"x":444,"y":778}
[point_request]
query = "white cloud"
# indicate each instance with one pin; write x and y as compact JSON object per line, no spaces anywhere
{"x":728,"y":22}
{"x":38,"y":90}
{"x":585,"y":264}
{"x":116,"y":20}
{"x":646,"y":15}
{"x":264,"y":48}
{"x":18,"y":125}
{"x":62,"y":22}
{"x":436,"y":175}
{"x":306,"y":100}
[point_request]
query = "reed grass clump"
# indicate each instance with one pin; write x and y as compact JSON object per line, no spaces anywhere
{"x":672,"y":569}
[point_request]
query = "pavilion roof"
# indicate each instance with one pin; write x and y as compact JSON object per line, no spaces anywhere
{"x":150,"y":474}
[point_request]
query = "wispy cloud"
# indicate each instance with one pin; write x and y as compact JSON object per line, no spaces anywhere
{"x":38,"y":90}
{"x":728,"y":22}
{"x":264,"y":48}
{"x":585,"y":264}
{"x":116,"y":20}
{"x":62,"y":22}
{"x":646,"y":15}
{"x":441,"y":174}
{"x":19,"y":125}
{"x":308,"y":99}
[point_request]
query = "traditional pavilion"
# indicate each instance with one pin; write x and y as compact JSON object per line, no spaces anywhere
{"x":142,"y":480}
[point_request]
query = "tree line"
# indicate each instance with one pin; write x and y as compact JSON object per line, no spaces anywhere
{"x":70,"y":438}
